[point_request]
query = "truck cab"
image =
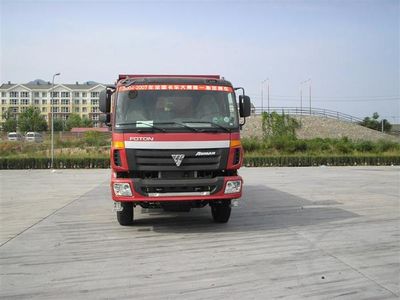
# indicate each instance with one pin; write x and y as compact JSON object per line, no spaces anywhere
{"x":175,"y":143}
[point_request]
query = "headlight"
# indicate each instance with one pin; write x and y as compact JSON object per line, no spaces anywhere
{"x":233,"y":187}
{"x":122,"y":189}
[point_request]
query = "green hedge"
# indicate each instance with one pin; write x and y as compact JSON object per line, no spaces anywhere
{"x":263,"y":161}
{"x":307,"y":161}
{"x":59,"y":163}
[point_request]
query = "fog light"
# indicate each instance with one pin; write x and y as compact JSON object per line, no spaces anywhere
{"x":233,"y":187}
{"x":122,"y":189}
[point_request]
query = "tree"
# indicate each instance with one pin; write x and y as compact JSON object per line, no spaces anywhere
{"x":86,"y":122}
{"x":31,"y":120}
{"x":58,"y":124}
{"x":74,"y":120}
{"x":375,"y":123}
{"x":387,"y":126}
{"x":276,"y":125}
{"x":10,"y":124}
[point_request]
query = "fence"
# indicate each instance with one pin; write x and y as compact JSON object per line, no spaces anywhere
{"x":327,"y":113}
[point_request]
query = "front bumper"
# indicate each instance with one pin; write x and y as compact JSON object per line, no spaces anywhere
{"x":139,"y":194}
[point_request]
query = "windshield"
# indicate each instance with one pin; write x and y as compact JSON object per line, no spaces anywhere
{"x":177,"y":110}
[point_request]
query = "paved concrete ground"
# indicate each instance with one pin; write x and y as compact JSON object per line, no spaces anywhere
{"x":299,"y":233}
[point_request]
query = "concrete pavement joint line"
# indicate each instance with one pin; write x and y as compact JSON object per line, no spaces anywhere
{"x":343,"y":262}
{"x":41,"y":220}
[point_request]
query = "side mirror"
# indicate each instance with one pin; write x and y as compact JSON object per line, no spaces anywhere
{"x":105,"y":118}
{"x":244,"y":106}
{"x":105,"y":100}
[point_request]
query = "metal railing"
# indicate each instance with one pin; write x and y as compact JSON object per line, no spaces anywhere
{"x":321,"y":112}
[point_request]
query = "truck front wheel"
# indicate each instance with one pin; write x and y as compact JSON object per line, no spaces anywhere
{"x":125,"y":217}
{"x":221,"y":211}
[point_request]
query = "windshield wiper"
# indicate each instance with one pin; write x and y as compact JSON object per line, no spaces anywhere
{"x":211,"y":123}
{"x":143,"y":129}
{"x":180,"y":124}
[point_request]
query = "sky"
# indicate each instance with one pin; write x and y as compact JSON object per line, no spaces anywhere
{"x":349,"y":49}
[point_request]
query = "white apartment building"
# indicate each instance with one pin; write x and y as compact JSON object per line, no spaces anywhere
{"x":64,"y":99}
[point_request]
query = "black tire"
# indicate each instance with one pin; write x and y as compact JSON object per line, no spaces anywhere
{"x":125,"y":217}
{"x":221,"y":211}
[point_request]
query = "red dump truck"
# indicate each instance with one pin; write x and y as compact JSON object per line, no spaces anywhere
{"x":175,"y":143}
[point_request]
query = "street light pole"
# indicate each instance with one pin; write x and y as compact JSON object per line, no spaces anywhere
{"x":268,"y":93}
{"x":301,"y":98}
{"x":309,"y":93}
{"x":262,"y":98}
{"x":262,"y":95}
{"x":301,"y":94}
{"x":52,"y":120}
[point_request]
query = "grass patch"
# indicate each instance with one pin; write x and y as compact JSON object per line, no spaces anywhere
{"x":278,"y":148}
{"x":284,"y":145}
{"x":91,"y":142}
{"x":309,"y":161}
{"x":68,"y":162}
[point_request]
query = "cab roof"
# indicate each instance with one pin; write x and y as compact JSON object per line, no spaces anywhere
{"x":173,"y":79}
{"x":125,"y":76}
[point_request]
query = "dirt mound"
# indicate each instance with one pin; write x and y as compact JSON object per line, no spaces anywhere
{"x":320,"y":127}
